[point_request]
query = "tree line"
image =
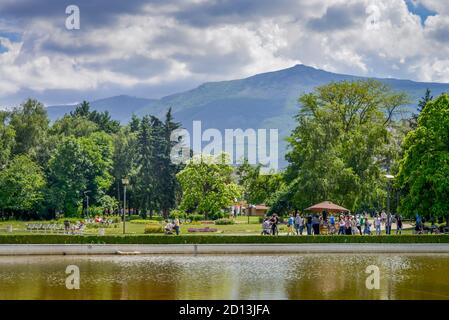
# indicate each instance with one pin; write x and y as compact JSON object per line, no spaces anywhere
{"x":49,"y":169}
{"x":349,"y":137}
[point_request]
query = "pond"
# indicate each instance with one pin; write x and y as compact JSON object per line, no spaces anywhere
{"x":307,"y":276}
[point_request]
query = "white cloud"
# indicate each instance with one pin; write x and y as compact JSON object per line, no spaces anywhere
{"x":193,"y":42}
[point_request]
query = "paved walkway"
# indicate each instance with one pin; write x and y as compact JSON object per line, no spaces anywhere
{"x":129,"y":249}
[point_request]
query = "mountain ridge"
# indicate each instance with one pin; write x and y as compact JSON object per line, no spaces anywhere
{"x":262,"y":101}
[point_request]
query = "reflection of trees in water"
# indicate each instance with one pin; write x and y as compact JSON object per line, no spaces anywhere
{"x":339,"y":276}
{"x":308,"y":276}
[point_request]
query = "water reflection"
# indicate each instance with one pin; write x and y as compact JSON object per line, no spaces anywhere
{"x":309,"y":276}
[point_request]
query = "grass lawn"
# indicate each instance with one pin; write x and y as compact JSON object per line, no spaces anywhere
{"x":241,"y":227}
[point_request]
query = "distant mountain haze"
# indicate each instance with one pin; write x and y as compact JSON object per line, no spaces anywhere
{"x":267,"y":100}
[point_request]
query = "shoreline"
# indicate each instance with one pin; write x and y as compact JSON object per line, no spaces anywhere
{"x":143,"y":249}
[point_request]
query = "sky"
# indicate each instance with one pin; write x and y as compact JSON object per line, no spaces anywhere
{"x":159,"y":47}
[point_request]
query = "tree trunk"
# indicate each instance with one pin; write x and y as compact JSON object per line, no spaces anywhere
{"x":447,"y":220}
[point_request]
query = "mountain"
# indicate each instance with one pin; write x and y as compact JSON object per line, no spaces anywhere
{"x":267,"y":100}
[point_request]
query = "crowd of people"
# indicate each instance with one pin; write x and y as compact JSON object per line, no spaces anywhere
{"x":340,"y":224}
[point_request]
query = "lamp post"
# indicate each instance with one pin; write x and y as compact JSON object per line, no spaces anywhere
{"x":87,"y":202}
{"x":389,"y":178}
{"x":125,"y":182}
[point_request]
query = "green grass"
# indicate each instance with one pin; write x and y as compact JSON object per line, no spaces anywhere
{"x":213,"y":239}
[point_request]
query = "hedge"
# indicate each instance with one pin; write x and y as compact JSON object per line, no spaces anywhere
{"x":213,"y":239}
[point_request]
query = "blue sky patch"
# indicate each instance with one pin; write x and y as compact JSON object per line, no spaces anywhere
{"x":420,"y":10}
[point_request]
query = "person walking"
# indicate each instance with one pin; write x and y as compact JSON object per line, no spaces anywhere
{"x":367,"y":226}
{"x":309,"y":225}
{"x":274,"y":224}
{"x":398,"y":224}
{"x":290,"y":224}
{"x":377,"y":224}
{"x":359,"y":223}
{"x":348,"y":227}
{"x":177,"y":226}
{"x":299,"y":224}
{"x":341,"y":229}
{"x":316,"y":224}
{"x":388,"y":221}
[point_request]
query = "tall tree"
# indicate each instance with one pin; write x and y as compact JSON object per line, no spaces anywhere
{"x":338,"y":149}
{"x":168,"y":184}
{"x":7,"y":135}
{"x":421,"y":105}
{"x":79,"y":165}
{"x":424,"y":169}
{"x":21,"y":185}
{"x":207,"y":185}
{"x":30,"y":123}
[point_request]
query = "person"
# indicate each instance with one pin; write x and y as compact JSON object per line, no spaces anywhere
{"x":353,"y":225}
{"x":176,"y":223}
{"x":316,"y":224}
{"x":290,"y":224}
{"x":274,"y":221}
{"x":348,"y":227}
{"x":331,"y":224}
{"x":341,"y":229}
{"x":388,"y":221}
{"x":309,"y":225}
{"x":299,"y":224}
{"x":168,"y":227}
{"x":359,"y":223}
{"x":377,"y":224}
{"x":398,"y":224}
{"x":383,"y":217}
{"x":367,"y":228}
{"x":266,"y":227}
{"x":324,"y":217}
{"x":67,"y":226}
{"x":418,"y":222}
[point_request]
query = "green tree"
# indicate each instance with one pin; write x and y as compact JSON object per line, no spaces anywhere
{"x":78,"y":165}
{"x":101,"y":119}
{"x":21,"y":185}
{"x":338,"y":150}
{"x":7,"y":135}
{"x":424,"y":169}
{"x":421,"y":105}
{"x":207,"y":185}
{"x":30,"y":123}
{"x":257,"y":188}
{"x":168,"y":184}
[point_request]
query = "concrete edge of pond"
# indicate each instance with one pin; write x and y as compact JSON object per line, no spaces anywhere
{"x":136,"y":249}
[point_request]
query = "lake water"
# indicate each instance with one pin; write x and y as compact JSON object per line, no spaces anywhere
{"x":308,"y":276}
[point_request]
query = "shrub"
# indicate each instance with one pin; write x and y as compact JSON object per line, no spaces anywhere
{"x":153,"y":228}
{"x":133,"y":217}
{"x":224,"y":221}
{"x":177,"y":214}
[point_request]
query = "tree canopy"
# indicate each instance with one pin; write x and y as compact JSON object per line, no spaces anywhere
{"x":424,"y":169}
